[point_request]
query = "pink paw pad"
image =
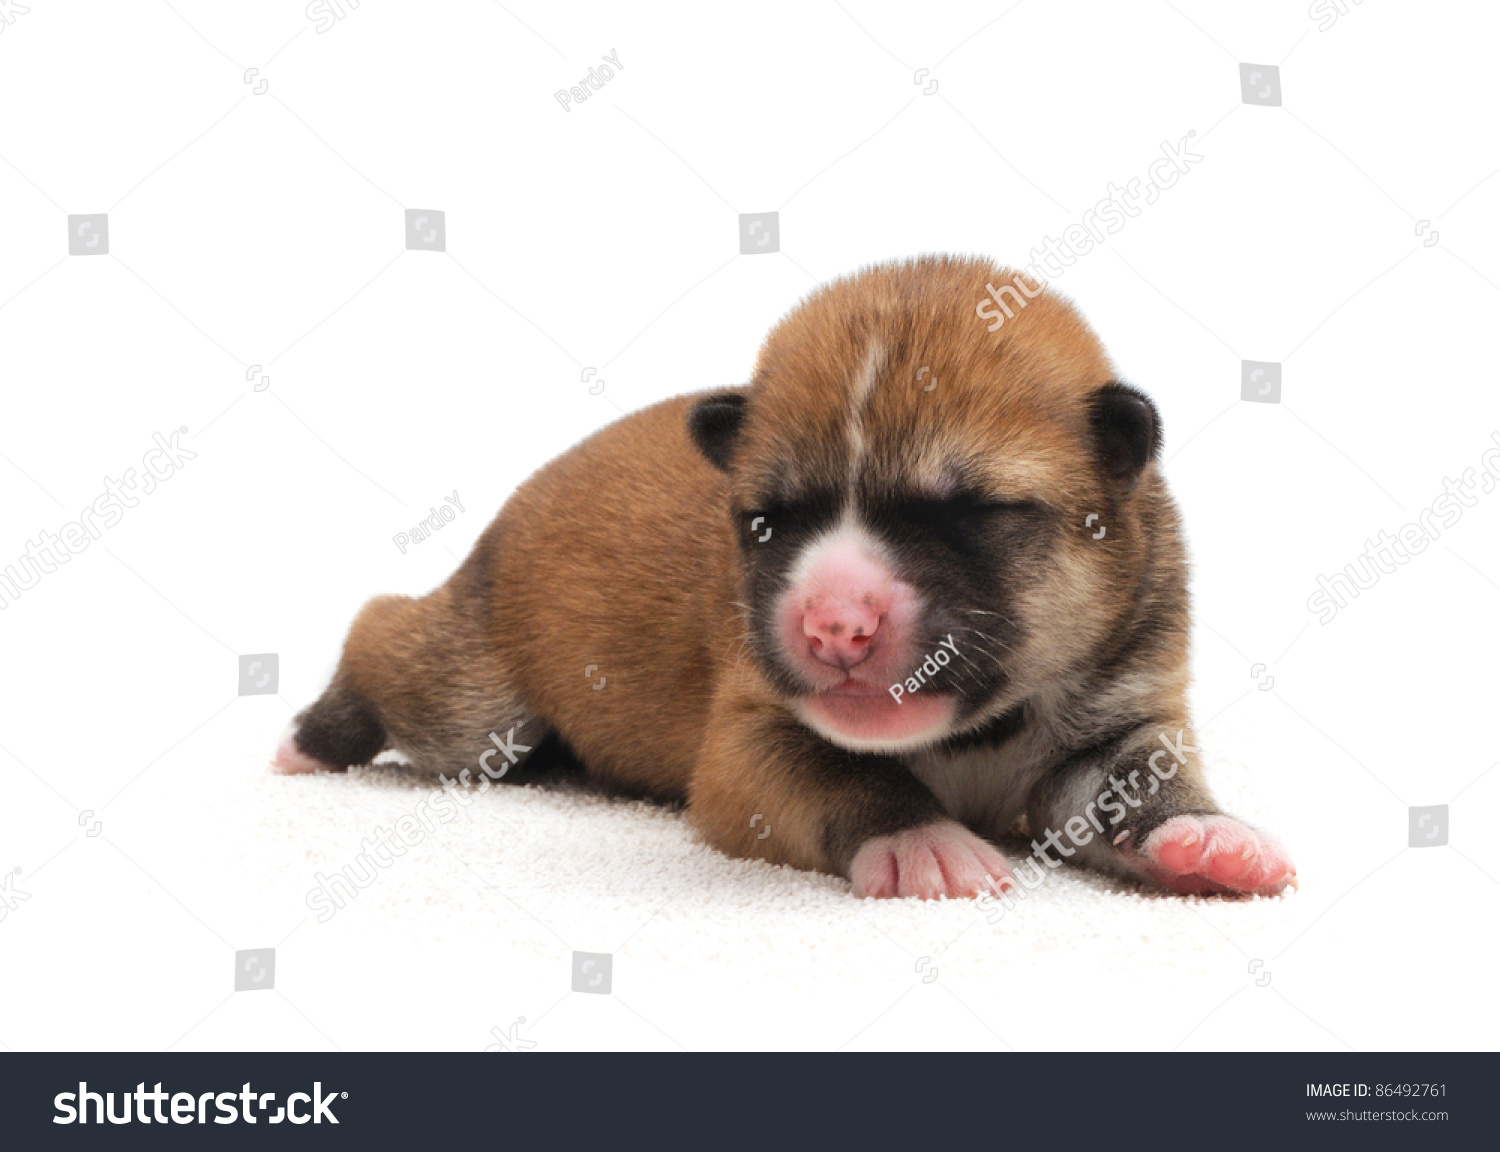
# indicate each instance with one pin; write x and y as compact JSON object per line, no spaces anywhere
{"x":1199,"y":854}
{"x":936,"y":860}
{"x":292,"y":761}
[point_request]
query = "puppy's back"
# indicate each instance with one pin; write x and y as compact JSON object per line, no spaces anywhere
{"x":607,"y":583}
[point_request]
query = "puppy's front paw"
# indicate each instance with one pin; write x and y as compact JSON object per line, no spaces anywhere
{"x":941,"y":859}
{"x":1199,"y":854}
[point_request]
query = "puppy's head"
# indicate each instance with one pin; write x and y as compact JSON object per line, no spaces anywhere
{"x":935,"y":520}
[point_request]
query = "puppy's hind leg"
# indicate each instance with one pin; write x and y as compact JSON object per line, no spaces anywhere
{"x":420,"y":677}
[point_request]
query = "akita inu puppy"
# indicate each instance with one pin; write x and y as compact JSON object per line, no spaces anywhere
{"x":765,"y":577}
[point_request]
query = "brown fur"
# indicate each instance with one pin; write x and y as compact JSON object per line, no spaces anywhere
{"x":625,"y":554}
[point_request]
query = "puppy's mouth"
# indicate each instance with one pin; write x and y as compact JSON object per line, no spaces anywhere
{"x":868,"y":717}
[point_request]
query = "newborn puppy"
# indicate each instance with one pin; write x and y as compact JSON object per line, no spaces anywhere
{"x":918,"y":580}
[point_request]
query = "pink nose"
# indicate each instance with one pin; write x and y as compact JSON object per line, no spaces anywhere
{"x":839,"y":630}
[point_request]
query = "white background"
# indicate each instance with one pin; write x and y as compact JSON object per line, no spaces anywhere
{"x":268,"y":230}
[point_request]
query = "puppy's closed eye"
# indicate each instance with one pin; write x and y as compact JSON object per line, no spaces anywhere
{"x":798,"y":516}
{"x":956,"y":519}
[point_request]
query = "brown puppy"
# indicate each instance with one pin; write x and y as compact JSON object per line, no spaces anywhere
{"x":918,"y":580}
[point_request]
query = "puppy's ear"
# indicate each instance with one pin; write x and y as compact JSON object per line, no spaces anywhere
{"x":1127,"y":432}
{"x":715,"y":426}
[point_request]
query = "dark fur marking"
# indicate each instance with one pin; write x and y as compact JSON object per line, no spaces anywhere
{"x":715,"y":426}
{"x":340,"y":729}
{"x":1095,"y":766}
{"x":867,"y":795}
{"x":1127,"y":431}
{"x":992,"y":734}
